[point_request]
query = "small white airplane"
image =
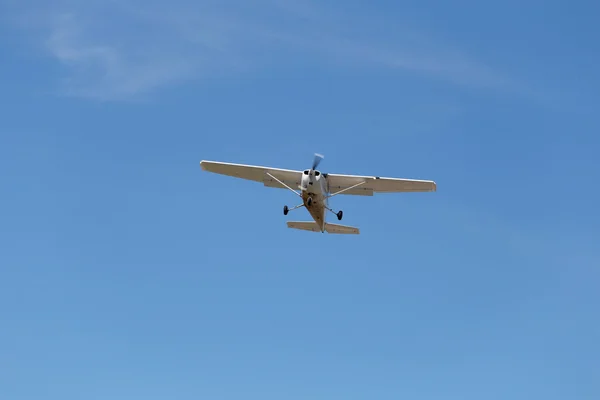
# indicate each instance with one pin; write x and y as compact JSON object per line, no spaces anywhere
{"x":316,"y":188}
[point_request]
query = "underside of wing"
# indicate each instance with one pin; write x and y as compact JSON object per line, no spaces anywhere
{"x":368,"y":185}
{"x":255,"y":173}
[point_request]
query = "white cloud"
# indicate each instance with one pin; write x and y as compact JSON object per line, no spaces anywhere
{"x":126,"y":48}
{"x":104,"y":70}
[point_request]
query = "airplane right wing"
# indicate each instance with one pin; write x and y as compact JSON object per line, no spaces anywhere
{"x":369,"y":185}
{"x":255,"y":173}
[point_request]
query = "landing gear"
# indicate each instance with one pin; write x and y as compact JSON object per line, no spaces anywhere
{"x":286,"y":209}
{"x":338,"y":214}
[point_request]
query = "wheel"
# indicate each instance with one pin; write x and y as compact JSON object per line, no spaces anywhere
{"x":340,"y":214}
{"x":285,"y":210}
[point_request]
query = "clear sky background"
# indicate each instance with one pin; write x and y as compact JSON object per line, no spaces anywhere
{"x":126,"y":272}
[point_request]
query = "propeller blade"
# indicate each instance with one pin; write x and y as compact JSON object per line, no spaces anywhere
{"x":317,"y":160}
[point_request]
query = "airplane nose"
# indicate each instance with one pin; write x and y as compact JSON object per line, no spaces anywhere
{"x":305,"y":181}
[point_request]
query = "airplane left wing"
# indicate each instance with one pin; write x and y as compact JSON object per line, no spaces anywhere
{"x":256,"y":173}
{"x":369,"y":185}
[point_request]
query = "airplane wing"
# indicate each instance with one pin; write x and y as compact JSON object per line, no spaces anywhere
{"x":256,"y":173}
{"x":376,"y":184}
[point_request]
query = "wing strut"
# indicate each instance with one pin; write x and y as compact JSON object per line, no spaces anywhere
{"x":287,"y":187}
{"x":348,"y":188}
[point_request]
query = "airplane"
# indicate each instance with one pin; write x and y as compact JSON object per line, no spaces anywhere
{"x":316,"y":189}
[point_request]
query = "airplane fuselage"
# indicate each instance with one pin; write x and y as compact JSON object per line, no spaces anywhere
{"x":315,"y":189}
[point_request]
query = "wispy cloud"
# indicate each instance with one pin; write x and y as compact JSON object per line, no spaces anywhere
{"x":126,"y":48}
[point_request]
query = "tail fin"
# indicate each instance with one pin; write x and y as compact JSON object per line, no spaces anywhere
{"x":329,"y":228}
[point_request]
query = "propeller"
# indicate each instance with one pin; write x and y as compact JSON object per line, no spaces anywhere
{"x":317,"y":161}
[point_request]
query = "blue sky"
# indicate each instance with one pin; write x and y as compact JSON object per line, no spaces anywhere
{"x":127,"y":272}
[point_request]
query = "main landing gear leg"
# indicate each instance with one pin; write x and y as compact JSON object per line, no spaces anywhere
{"x":286,"y":209}
{"x":338,"y":214}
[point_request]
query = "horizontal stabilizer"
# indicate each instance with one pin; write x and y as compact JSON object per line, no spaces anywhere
{"x":343,"y":229}
{"x":329,"y":228}
{"x":304,"y":225}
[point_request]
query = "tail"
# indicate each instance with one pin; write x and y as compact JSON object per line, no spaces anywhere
{"x":329,"y":228}
{"x":343,"y":229}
